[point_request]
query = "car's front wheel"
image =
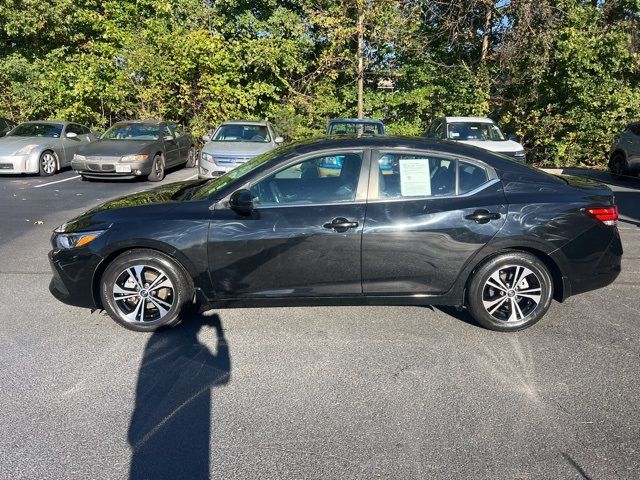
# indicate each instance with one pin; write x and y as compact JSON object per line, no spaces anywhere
{"x":48,"y":164}
{"x":144,"y":290}
{"x":157,"y":169}
{"x":617,"y":166}
{"x":511,"y":291}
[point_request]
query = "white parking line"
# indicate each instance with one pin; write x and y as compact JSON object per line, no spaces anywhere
{"x":57,"y":181}
{"x":192,"y":176}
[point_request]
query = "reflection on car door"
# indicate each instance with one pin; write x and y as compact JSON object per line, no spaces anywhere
{"x":171,"y":147}
{"x":426,"y":216}
{"x":303,"y":238}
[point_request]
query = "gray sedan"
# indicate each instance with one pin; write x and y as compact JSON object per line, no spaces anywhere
{"x":136,"y":149}
{"x":41,"y":147}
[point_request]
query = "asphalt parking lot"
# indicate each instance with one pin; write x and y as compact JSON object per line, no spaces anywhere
{"x":344,"y":393}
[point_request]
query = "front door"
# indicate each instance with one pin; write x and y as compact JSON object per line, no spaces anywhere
{"x":426,"y":216}
{"x":304,"y":236}
{"x":171,"y":147}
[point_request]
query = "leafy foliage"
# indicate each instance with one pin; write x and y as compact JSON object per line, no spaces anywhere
{"x":563,"y":75}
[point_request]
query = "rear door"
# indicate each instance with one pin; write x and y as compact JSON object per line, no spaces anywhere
{"x":304,"y":237}
{"x":427,"y":214}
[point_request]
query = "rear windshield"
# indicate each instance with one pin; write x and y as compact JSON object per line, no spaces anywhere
{"x":52,"y":130}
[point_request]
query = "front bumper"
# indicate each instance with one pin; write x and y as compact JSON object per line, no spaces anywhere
{"x":93,"y":168}
{"x":73,"y":272}
{"x":13,"y":164}
{"x":212,"y":170}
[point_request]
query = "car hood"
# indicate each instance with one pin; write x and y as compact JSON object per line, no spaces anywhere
{"x":109,"y":212}
{"x":494,"y":146}
{"x":114,"y":148}
{"x":237,"y":148}
{"x":9,"y":145}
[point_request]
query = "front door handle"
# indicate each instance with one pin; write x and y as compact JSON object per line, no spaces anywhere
{"x":483,"y":216}
{"x":340,"y":224}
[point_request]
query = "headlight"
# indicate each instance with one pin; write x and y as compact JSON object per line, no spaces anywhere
{"x":519,"y":153}
{"x":26,"y":150}
{"x":75,"y":240}
{"x":207,"y":157}
{"x":134,"y":158}
{"x":79,"y":158}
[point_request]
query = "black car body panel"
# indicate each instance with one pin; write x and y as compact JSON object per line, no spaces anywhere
{"x":409,"y":251}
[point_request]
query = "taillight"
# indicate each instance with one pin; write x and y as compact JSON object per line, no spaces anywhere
{"x":608,"y":215}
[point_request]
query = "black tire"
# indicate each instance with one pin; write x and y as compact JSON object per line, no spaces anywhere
{"x":154,"y":306}
{"x":514,"y":307}
{"x":157,"y":169}
{"x":47,"y":164}
{"x":85,"y":179}
{"x":617,"y":166}
{"x":191,"y":157}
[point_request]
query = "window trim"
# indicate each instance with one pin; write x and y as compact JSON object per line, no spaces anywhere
{"x":376,"y":154}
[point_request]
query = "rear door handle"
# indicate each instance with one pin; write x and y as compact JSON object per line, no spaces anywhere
{"x":340,"y":224}
{"x":483,"y":216}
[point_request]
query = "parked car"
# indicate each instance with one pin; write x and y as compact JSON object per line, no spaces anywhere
{"x":478,"y":131}
{"x":234,"y":143}
{"x":355,"y":126}
{"x":5,"y":126}
{"x":137,"y":148}
{"x":624,"y":157}
{"x":452,"y":225}
{"x":42,"y":147}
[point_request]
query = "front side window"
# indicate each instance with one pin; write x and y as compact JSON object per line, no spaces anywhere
{"x":422,"y":175}
{"x":177,"y":129}
{"x":474,"y":131}
{"x":323,"y":179}
{"x":242,"y":133}
{"x":52,"y":130}
{"x":133,"y":131}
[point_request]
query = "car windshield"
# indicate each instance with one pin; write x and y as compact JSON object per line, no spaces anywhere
{"x":356,"y":128}
{"x":474,"y":131}
{"x":133,"y":131}
{"x":51,"y":130}
{"x":242,"y":133}
{"x":200,"y":191}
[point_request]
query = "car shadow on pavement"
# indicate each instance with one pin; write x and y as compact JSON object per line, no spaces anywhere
{"x":170,"y":427}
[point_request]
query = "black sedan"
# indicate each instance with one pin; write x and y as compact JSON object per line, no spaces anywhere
{"x":136,"y":149}
{"x":402,"y":221}
{"x":6,"y":126}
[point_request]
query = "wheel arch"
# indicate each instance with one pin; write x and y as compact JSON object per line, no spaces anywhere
{"x":559,"y":286}
{"x":178,"y":257}
{"x":615,"y":152}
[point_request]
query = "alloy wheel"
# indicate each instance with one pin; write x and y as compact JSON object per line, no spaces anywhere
{"x":143,"y":294}
{"x":48,"y":162}
{"x":511,"y":293}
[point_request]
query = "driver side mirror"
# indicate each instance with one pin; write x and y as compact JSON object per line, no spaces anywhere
{"x":241,"y":202}
{"x":206,"y":138}
{"x":71,"y":135}
{"x":278,"y":140}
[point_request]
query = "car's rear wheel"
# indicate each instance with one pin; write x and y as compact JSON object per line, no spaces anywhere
{"x":144,"y":290}
{"x":617,"y":166}
{"x":157,"y":169}
{"x":511,"y":291}
{"x":191,"y":158}
{"x":48,"y":164}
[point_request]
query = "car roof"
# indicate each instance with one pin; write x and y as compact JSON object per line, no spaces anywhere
{"x":51,"y":122}
{"x":354,"y":120}
{"x":262,"y":123}
{"x":148,"y":122}
{"x":468,"y":119}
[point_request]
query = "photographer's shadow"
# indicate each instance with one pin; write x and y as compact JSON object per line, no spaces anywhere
{"x":169,"y":432}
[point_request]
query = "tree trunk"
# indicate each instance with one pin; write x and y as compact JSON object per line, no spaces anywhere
{"x":360,"y":59}
{"x":486,"y":34}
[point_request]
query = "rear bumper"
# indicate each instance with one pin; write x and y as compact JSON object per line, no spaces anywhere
{"x":593,"y":260}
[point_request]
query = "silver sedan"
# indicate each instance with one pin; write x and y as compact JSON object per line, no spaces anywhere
{"x":41,"y":147}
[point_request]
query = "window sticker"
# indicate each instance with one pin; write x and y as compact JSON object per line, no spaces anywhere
{"x":415,"y":179}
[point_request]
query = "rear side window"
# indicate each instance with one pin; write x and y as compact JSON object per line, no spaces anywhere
{"x":419,"y":176}
{"x":470,"y":177}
